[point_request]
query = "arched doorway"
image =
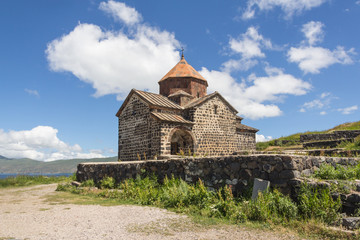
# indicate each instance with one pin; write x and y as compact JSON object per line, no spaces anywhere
{"x":181,"y":140}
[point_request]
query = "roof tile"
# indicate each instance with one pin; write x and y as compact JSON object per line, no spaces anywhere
{"x":167,"y":117}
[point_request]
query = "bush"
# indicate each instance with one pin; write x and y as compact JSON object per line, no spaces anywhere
{"x":318,"y":204}
{"x":107,"y":183}
{"x":88,"y":183}
{"x":271,"y":206}
{"x":340,"y":172}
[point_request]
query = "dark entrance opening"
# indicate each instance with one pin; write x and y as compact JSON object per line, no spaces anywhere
{"x":181,"y":142}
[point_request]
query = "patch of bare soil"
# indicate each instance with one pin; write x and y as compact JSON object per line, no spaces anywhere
{"x":26,"y":214}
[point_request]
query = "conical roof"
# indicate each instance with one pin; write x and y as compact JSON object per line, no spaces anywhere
{"x":183,"y":69}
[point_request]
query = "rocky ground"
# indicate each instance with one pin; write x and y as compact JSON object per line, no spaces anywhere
{"x":27,"y":213}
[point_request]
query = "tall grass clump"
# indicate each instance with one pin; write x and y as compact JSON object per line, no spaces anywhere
{"x":327,"y":171}
{"x":318,"y":204}
{"x":272,"y":206}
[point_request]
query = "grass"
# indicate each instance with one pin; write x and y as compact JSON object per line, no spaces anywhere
{"x":294,"y":139}
{"x":22,"y":181}
{"x":327,"y":171}
{"x":314,"y":210}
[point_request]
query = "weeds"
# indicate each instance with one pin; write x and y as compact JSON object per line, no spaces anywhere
{"x":271,"y":207}
{"x":327,"y":171}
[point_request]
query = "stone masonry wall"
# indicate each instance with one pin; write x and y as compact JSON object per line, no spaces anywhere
{"x":237,"y":171}
{"x":139,"y":134}
{"x":215,"y":129}
{"x":336,"y":135}
{"x":246,"y":140}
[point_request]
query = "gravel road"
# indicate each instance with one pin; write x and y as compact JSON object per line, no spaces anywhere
{"x":26,"y":213}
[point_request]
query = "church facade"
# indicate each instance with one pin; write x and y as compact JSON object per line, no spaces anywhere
{"x":181,"y":119}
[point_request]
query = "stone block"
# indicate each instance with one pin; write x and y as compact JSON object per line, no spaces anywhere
{"x":289,"y":174}
{"x":259,"y":186}
{"x":353,"y":198}
{"x":289,"y":164}
{"x":267,"y":168}
{"x":351,"y":223}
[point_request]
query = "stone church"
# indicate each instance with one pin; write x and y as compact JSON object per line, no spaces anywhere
{"x":182,"y":119}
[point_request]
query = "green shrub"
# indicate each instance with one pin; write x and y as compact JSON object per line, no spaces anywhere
{"x":318,"y":204}
{"x":225,"y":205}
{"x":271,"y":206}
{"x":88,"y":183}
{"x":340,"y":172}
{"x":107,"y":183}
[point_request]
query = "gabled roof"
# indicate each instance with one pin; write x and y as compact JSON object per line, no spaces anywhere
{"x":245,"y":128}
{"x":183,"y":69}
{"x":202,"y":100}
{"x":153,"y":99}
{"x":180,"y":93}
{"x":167,"y":117}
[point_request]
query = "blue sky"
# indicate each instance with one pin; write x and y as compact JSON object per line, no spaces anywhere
{"x":66,"y":66}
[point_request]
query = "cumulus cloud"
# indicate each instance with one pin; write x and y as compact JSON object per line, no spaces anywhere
{"x":262,"y":138}
{"x":32,"y":92}
{"x":248,"y":45}
{"x":114,"y":62}
{"x":348,"y":110}
{"x":121,"y":12}
{"x":289,"y":7}
{"x":312,"y":59}
{"x":40,"y":143}
{"x":251,"y":97}
{"x":313,"y":32}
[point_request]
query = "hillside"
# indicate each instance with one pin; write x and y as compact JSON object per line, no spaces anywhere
{"x":24,"y":166}
{"x":293,"y":140}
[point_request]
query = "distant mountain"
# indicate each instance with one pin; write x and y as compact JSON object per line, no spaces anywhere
{"x":25,"y":165}
{"x":2,"y":157}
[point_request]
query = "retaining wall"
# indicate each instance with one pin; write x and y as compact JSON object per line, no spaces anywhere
{"x":215,"y":172}
{"x":336,"y":135}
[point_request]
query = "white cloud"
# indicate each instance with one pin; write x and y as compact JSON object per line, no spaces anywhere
{"x":115,"y":62}
{"x":357,"y":2}
{"x":40,"y":143}
{"x":325,"y":94}
{"x":312,"y":59}
{"x":323,"y":113}
{"x":313,"y":104}
{"x":313,"y":32}
{"x":121,"y":12}
{"x":322,"y":102}
{"x":348,"y":110}
{"x":32,"y":92}
{"x":250,"y":43}
{"x":262,"y":138}
{"x":251,"y":97}
{"x":289,"y":7}
{"x":238,"y":65}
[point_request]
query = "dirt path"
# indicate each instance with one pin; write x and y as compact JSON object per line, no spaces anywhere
{"x":26,"y":214}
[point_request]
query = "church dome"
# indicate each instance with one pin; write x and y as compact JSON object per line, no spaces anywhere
{"x":183,"y":77}
{"x":183,"y":69}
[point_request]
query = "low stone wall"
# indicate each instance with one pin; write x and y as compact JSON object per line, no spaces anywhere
{"x":215,"y":172}
{"x":326,"y":144}
{"x":336,"y":135}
